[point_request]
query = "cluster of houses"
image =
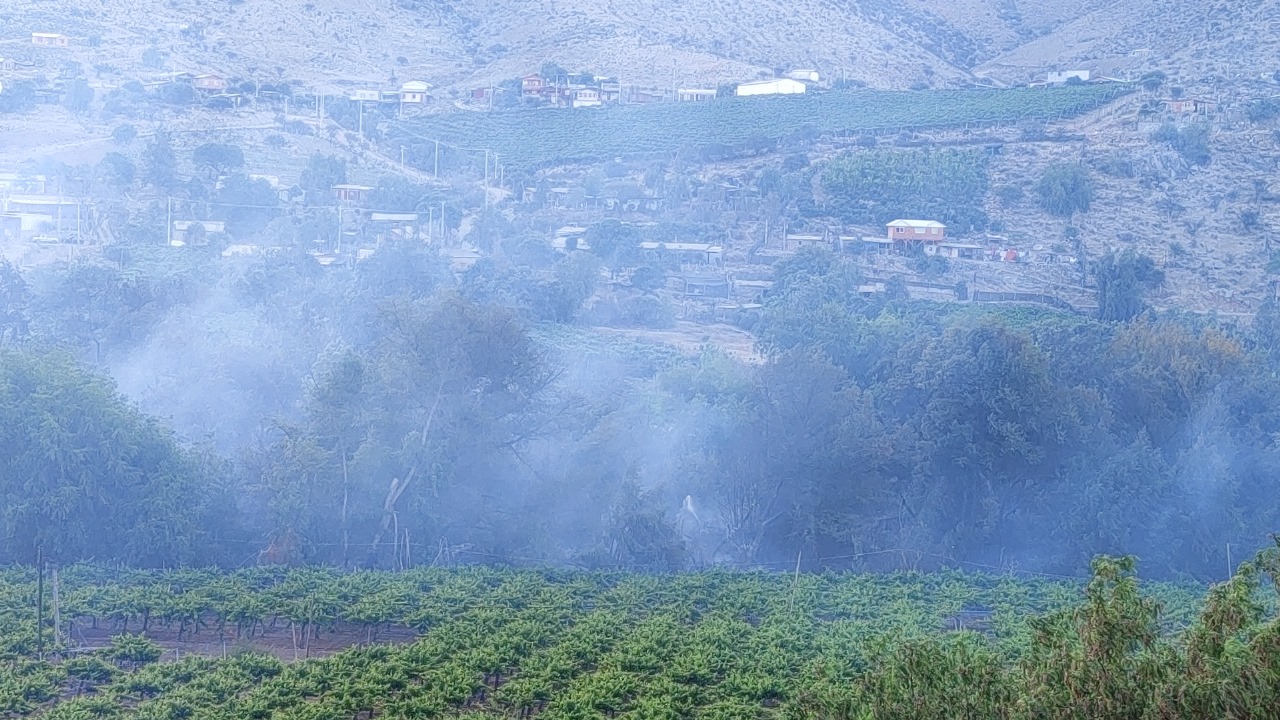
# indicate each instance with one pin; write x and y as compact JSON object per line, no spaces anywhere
{"x":594,"y":91}
{"x":29,"y":212}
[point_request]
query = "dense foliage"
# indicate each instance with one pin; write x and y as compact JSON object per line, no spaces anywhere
{"x":381,"y":413}
{"x":878,"y":186}
{"x":486,"y":641}
{"x":535,"y":137}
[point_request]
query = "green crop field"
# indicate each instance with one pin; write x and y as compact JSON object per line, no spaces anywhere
{"x":524,"y":138}
{"x":498,"y":642}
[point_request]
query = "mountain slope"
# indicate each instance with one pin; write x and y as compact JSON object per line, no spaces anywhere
{"x":1193,"y":39}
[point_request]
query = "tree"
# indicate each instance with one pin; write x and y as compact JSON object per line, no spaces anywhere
{"x":160,"y":162}
{"x":319,"y":177}
{"x":124,"y":134}
{"x":1123,"y":279}
{"x":117,"y":170}
{"x":1065,"y":189}
{"x":218,"y":158}
{"x":614,"y":242}
{"x":15,"y":305}
{"x":77,"y":96}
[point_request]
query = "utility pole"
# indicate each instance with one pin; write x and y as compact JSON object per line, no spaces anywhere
{"x":436,"y":172}
{"x":169,"y":220}
{"x":402,"y":168}
{"x":40,"y":603}
{"x":57,"y":610}
{"x":486,"y":178}
{"x":360,"y":111}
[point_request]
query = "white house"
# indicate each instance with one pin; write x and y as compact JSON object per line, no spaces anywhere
{"x":929,"y":230}
{"x":586,"y":97}
{"x":1059,"y":77}
{"x":777,"y":86}
{"x":414,"y":92}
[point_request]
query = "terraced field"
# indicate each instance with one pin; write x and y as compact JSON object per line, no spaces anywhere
{"x":546,"y":136}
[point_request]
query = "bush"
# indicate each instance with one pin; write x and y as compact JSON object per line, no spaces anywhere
{"x":1065,"y":189}
{"x":1191,"y":142}
{"x":124,"y":134}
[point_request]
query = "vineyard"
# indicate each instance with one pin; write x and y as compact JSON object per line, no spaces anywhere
{"x":559,"y":644}
{"x":539,"y":137}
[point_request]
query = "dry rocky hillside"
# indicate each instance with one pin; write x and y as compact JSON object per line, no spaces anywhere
{"x":463,"y":43}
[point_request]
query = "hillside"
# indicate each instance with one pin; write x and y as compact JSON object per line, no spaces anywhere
{"x":1184,"y":38}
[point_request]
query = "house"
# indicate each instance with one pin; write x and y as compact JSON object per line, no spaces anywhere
{"x":804,"y":75}
{"x":777,"y":86}
{"x":1058,"y":77}
{"x":1190,"y":106}
{"x":917,"y":231}
{"x":569,"y":238}
{"x":365,"y":96}
{"x":703,"y":253}
{"x":586,"y":97}
{"x":351,"y":194}
{"x":695,"y":94}
{"x":645,"y":95}
{"x":63,"y":212}
{"x":414,"y":92}
{"x":799,"y":241}
{"x":532,"y":84}
{"x":956,"y":250}
{"x":23,"y":226}
{"x":210,"y":83}
{"x":182,"y":230}
{"x":483,"y":93}
{"x":50,"y":39}
{"x":8,"y":64}
{"x":16,"y":182}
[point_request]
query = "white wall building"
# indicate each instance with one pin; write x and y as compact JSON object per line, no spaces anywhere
{"x":777,"y":86}
{"x":1058,"y":77}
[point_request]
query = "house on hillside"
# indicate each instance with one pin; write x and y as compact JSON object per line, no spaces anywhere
{"x":586,"y":97}
{"x":365,"y":96}
{"x":185,"y":234}
{"x":8,"y":64}
{"x":532,"y":84}
{"x":695,"y":94}
{"x":414,"y":92}
{"x":351,"y":194}
{"x":50,"y":39}
{"x":804,"y":75}
{"x":776,"y":86}
{"x":915,"y":234}
{"x":1190,"y":106}
{"x":210,"y":83}
{"x":1059,"y":77}
{"x":11,"y":182}
{"x":691,"y":253}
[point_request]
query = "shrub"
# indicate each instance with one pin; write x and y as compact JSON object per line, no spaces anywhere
{"x":1065,"y":189}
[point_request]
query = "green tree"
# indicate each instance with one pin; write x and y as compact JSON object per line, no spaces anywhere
{"x":1123,"y":279}
{"x":160,"y":162}
{"x":218,"y":158}
{"x":1065,"y":189}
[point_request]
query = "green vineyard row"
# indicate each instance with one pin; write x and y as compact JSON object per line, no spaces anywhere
{"x":499,"y":641}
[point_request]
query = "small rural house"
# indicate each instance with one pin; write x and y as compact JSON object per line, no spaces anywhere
{"x":921,"y":230}
{"x":532,"y":84}
{"x":365,"y":96}
{"x":11,"y":182}
{"x":183,"y":233}
{"x":1058,"y":77}
{"x":586,"y":97}
{"x":414,"y":92}
{"x":351,"y":194}
{"x":696,"y":253}
{"x":777,"y":86}
{"x":8,"y":64}
{"x":210,"y":83}
{"x":804,"y":75}
{"x":1190,"y":106}
{"x":695,"y":94}
{"x":50,"y":39}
